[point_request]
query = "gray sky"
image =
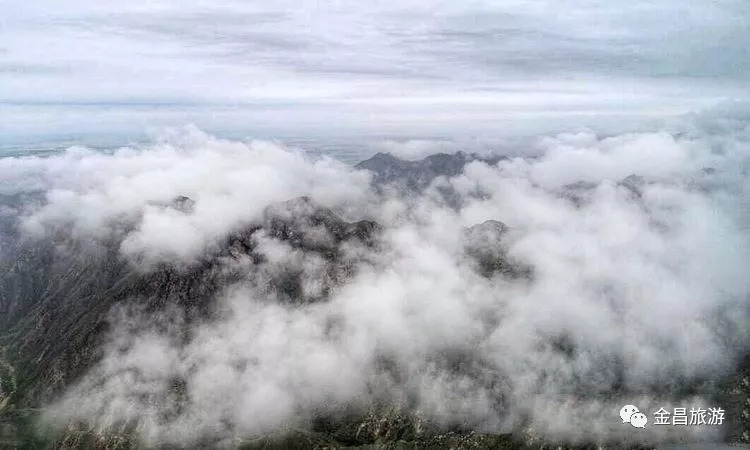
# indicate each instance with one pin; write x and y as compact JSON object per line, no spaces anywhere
{"x":410,"y":67}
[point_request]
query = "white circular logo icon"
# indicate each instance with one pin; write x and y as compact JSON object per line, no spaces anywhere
{"x":638,"y":420}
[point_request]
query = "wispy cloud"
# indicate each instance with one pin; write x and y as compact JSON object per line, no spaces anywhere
{"x":664,"y":56}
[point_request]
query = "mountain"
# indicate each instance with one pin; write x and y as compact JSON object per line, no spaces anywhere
{"x":57,"y":296}
{"x":415,"y":176}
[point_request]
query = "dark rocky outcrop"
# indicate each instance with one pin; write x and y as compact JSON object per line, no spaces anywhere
{"x":309,"y":226}
{"x":183,"y":203}
{"x":580,"y":192}
{"x":415,"y":176}
{"x":484,"y":244}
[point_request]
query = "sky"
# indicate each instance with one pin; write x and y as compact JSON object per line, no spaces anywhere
{"x":385,"y":67}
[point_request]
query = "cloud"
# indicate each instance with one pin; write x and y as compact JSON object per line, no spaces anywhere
{"x":482,"y":63}
{"x":630,"y":282}
{"x":89,"y":191}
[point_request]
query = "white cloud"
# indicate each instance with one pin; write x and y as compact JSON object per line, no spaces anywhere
{"x":633,"y":283}
{"x":233,"y":181}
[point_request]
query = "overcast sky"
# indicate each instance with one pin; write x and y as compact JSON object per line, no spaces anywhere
{"x":296,"y":67}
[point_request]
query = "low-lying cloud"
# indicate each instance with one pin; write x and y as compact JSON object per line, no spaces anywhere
{"x":635,"y":283}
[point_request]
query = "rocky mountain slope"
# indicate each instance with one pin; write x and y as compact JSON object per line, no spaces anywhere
{"x":56,"y":298}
